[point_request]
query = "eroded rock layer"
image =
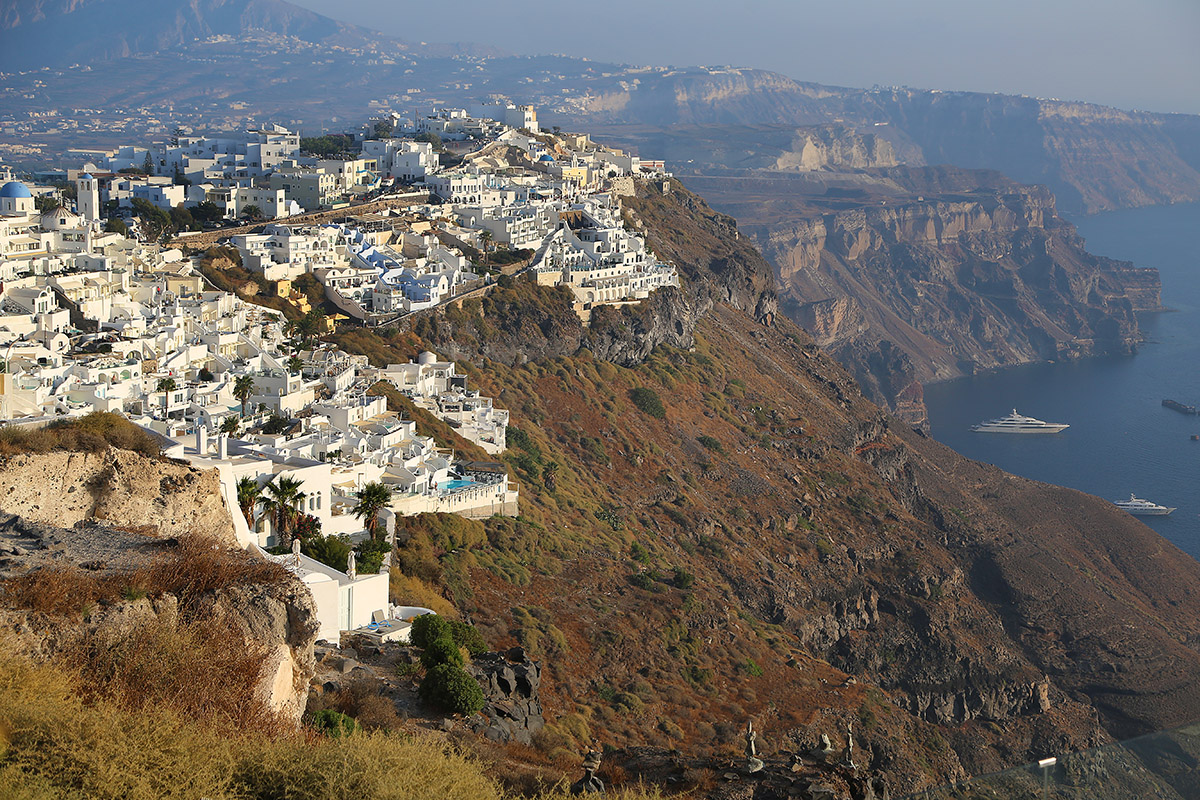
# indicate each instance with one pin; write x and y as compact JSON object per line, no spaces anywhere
{"x":911,"y":275}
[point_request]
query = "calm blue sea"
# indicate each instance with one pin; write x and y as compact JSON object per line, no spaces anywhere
{"x":1121,"y":439}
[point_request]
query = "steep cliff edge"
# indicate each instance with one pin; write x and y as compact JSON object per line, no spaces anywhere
{"x":117,"y":487}
{"x":1094,"y":158}
{"x":935,"y":272}
{"x":520,"y":321}
{"x":761,"y":542}
{"x":147,"y":589}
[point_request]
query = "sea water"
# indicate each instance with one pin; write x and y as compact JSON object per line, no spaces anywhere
{"x":1121,"y":440}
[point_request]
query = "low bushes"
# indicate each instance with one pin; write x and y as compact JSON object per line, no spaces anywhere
{"x":452,"y":688}
{"x":93,"y":433}
{"x":58,"y":745}
{"x":446,"y":683}
{"x":648,"y":402}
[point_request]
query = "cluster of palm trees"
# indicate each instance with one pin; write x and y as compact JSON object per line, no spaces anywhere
{"x":282,"y":500}
{"x":306,"y":328}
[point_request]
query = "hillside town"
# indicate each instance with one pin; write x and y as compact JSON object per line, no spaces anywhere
{"x":107,"y":304}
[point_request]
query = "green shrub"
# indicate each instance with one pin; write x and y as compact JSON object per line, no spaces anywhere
{"x":610,"y":516}
{"x":451,"y":688}
{"x":682,"y":578}
{"x":645,"y":580}
{"x":648,"y":402}
{"x":468,"y":636}
{"x":515,"y":437}
{"x":334,"y":724}
{"x":752,"y":668}
{"x":332,"y":551}
{"x":370,"y":555}
{"x":639,"y":553}
{"x":711,"y":443}
{"x":441,"y":650}
{"x":427,"y":628}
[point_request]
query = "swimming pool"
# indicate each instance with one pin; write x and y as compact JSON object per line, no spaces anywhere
{"x":455,"y":485}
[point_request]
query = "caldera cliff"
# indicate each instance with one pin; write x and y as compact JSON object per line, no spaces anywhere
{"x":909,"y":275}
{"x":723,"y":527}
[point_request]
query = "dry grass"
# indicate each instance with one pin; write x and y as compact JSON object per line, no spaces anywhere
{"x":192,"y":571}
{"x":198,"y":567}
{"x":92,"y":433}
{"x":60,"y":591}
{"x":202,"y":670}
{"x":412,"y":591}
{"x":56,"y":744}
{"x":196,"y":664}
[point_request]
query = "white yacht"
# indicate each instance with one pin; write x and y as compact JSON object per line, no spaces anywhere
{"x":1136,"y":505}
{"x":1016,"y":423}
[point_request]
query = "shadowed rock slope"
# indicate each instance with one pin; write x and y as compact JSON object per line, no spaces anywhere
{"x":729,"y":529}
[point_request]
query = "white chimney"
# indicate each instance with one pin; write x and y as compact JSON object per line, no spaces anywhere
{"x":223,"y":446}
{"x":201,"y":440}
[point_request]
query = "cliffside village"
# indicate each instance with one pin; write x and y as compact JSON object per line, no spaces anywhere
{"x":104,"y":316}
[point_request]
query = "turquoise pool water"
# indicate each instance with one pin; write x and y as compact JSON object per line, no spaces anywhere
{"x":455,"y":485}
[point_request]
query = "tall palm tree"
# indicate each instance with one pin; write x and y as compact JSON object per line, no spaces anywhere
{"x":282,"y":499}
{"x":243,"y":388}
{"x":295,"y":364}
{"x":372,"y":498}
{"x":166,"y":386}
{"x":309,"y":326}
{"x":248,"y":495}
{"x":550,"y":475}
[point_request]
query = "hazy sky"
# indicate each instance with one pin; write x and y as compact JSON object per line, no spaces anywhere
{"x":1128,"y":53}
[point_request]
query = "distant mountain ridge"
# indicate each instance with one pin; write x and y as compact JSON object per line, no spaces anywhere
{"x":1093,"y":158}
{"x":58,"y":33}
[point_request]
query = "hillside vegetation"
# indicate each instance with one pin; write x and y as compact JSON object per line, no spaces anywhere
{"x":55,"y":744}
{"x":729,"y":530}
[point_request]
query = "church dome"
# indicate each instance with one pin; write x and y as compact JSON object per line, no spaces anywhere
{"x":15,"y":189}
{"x":58,"y":219}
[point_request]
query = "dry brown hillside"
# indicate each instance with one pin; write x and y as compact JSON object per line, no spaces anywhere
{"x":729,"y":530}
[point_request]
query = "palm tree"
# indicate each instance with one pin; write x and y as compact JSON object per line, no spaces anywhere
{"x":249,"y":496}
{"x":282,"y":499}
{"x":372,"y":498}
{"x":295,"y":364}
{"x":309,"y":325}
{"x":230,"y":425}
{"x":550,"y":475}
{"x":291,"y":328}
{"x":166,"y":386}
{"x":485,"y":238}
{"x":243,"y":388}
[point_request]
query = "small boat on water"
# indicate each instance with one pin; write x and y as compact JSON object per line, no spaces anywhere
{"x":1016,"y":423}
{"x":1175,"y":405}
{"x":1138,"y":506}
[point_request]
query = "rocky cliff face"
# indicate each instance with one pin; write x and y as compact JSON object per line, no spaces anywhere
{"x":519,"y":321}
{"x":272,"y":621}
{"x":1094,"y":158}
{"x":133,"y":518}
{"x":937,"y":273}
{"x":510,"y":682}
{"x":835,"y":147}
{"x":773,"y":547}
{"x":116,"y":487}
